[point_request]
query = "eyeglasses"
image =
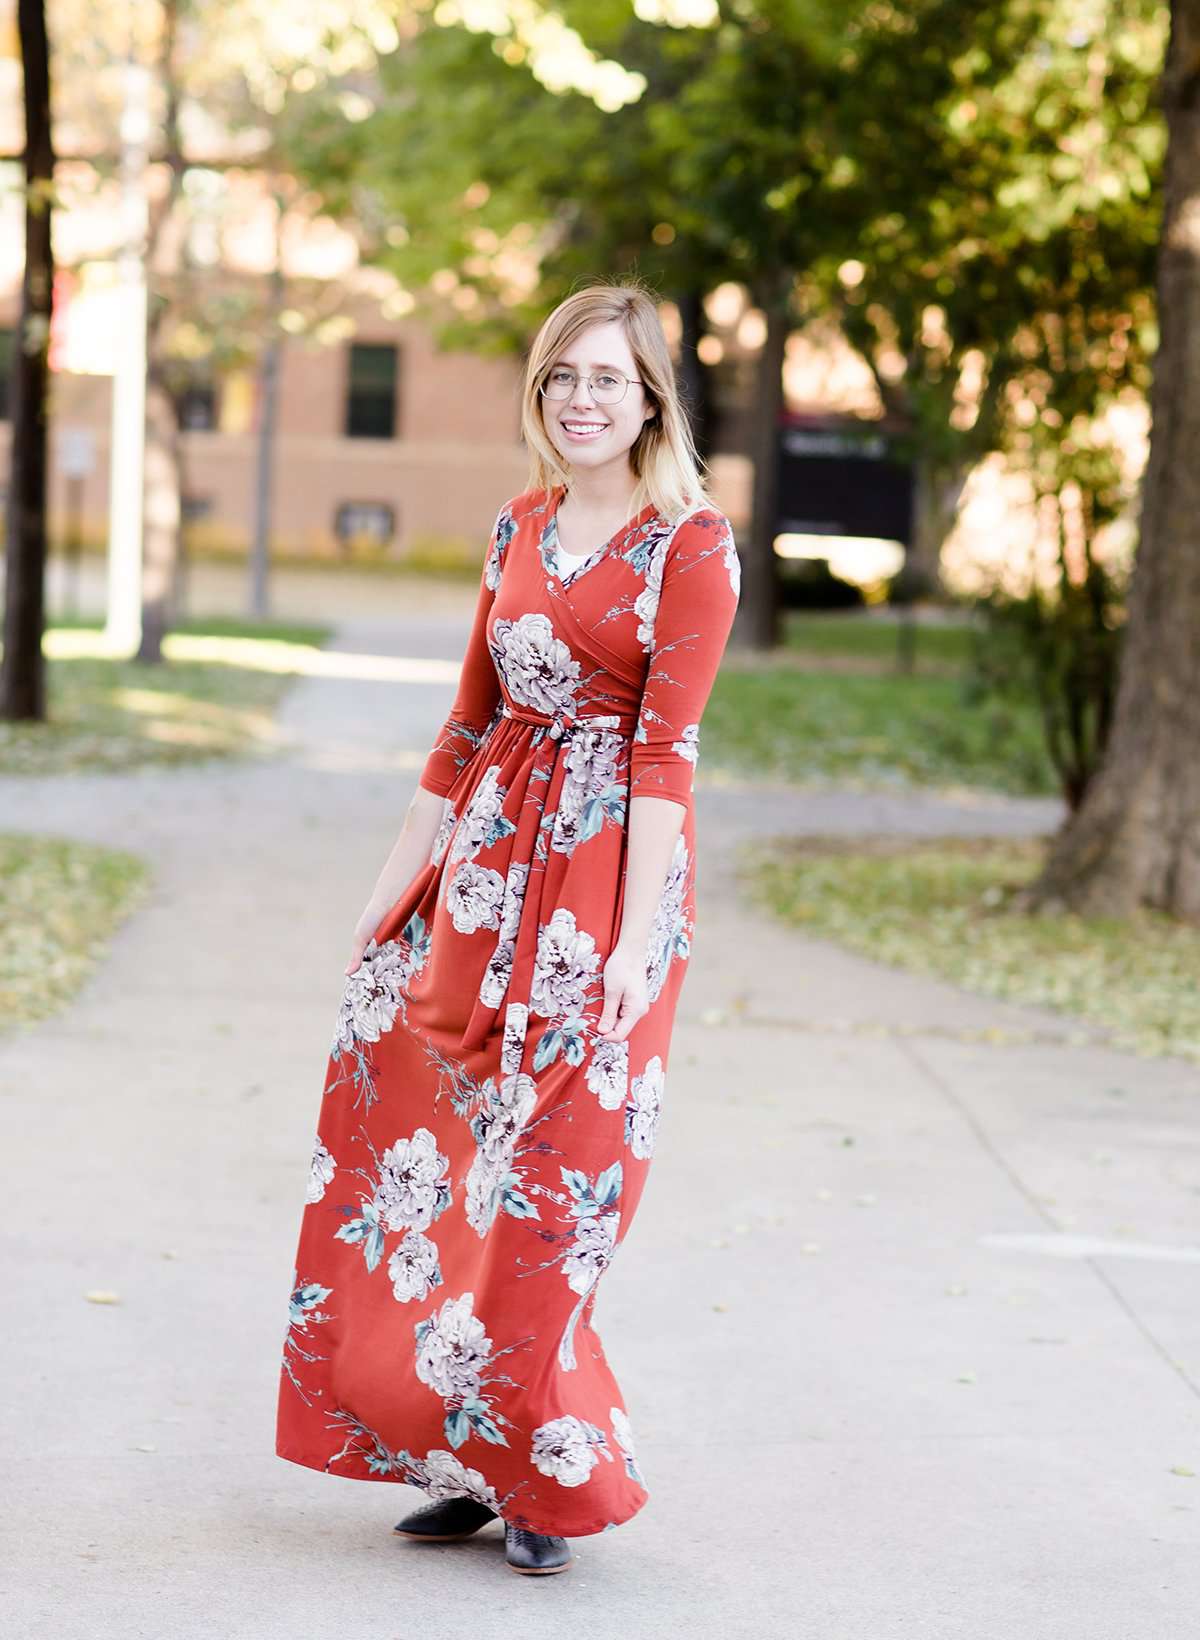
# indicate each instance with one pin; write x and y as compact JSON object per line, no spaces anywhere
{"x":607,"y":388}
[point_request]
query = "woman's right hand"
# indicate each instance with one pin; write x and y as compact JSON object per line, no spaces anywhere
{"x":364,"y":932}
{"x":409,"y":857}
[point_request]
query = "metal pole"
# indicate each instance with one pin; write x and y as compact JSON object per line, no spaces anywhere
{"x":126,"y":487}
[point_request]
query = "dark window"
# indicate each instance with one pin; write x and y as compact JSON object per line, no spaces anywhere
{"x":370,"y":523}
{"x":371,"y":390}
{"x":197,"y":406}
{"x":6,"y":363}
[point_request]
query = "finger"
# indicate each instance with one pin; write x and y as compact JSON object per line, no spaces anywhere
{"x":630,"y":1014}
{"x":356,"y":955}
{"x":612,"y":1000}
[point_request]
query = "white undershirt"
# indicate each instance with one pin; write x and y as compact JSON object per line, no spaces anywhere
{"x":567,"y":563}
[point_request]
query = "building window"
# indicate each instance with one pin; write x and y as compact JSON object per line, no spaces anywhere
{"x":365,"y":524}
{"x":371,"y":390}
{"x":6,"y":362}
{"x":196,"y":404}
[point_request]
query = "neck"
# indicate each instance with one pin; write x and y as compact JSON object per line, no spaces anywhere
{"x":606,"y":489}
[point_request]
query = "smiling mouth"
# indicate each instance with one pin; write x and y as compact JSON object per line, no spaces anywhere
{"x":584,"y":429}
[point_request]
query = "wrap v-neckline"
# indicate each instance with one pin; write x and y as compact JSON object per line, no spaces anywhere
{"x":598,"y":554}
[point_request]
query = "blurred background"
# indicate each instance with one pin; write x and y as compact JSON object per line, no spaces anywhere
{"x":930,"y":273}
{"x":267,"y":279}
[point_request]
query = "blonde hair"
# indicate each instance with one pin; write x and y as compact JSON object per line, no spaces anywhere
{"x":663,"y":456}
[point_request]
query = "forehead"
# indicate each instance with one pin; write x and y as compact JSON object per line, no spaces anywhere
{"x":597,"y":346}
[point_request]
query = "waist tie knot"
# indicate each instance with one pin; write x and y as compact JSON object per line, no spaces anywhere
{"x":562,"y":723}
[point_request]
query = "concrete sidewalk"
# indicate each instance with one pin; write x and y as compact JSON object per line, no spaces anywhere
{"x":884,"y":1386}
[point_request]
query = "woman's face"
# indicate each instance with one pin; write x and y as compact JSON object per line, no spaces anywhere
{"x":584,"y":433}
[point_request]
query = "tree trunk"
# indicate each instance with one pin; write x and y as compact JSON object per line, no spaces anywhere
{"x":758,"y":623}
{"x":23,"y":671}
{"x":937,"y":491}
{"x":268,"y":412}
{"x":161,"y":525}
{"x":163,"y":472}
{"x":1136,"y":838}
{"x":693,"y":372}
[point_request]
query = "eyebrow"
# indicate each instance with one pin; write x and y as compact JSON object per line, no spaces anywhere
{"x":601,"y":366}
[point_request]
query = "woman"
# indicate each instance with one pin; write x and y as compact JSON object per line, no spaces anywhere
{"x":498,"y":1064}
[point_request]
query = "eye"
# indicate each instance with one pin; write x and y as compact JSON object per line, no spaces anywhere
{"x":559,"y":376}
{"x":607,"y":379}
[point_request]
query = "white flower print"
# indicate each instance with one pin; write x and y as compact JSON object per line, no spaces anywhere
{"x":414,"y":1183}
{"x":514,"y":897}
{"x":491,"y":1182}
{"x":623,"y":1435}
{"x":646,"y":603}
{"x":504,"y":1113}
{"x":567,"y":1448}
{"x":371,"y":996}
{"x":688,"y":744}
{"x":474,"y":897}
{"x":497,"y":974}
{"x":538,"y":668}
{"x":608,"y":1073}
{"x":643,"y":1109}
{"x":443,"y":834}
{"x":444,"y":1476}
{"x":453,"y":1350}
{"x":414,"y":1267}
{"x":669,"y":930}
{"x":485,"y":1186}
{"x":590,"y":766}
{"x":512,"y":1047}
{"x":323,"y":1166}
{"x":733,"y":564}
{"x":480,"y":818}
{"x":591,"y":1251}
{"x":566,"y":961}
{"x":504,"y":530}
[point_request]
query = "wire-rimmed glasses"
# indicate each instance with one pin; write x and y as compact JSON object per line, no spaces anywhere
{"x":606,"y":387}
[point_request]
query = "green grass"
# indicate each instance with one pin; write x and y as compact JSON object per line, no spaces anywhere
{"x":105,"y":714}
{"x":869,"y":637}
{"x":946,"y":908}
{"x":60,"y":902}
{"x":794,"y":722}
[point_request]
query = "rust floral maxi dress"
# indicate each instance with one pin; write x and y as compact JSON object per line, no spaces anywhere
{"x":480,"y":1153}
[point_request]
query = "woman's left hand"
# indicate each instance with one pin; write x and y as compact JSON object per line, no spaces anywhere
{"x":626,"y":993}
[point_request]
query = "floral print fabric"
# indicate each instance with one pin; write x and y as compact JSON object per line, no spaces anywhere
{"x":480,"y":1154}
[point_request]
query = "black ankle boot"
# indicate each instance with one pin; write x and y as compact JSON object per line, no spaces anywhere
{"x":535,"y":1551}
{"x":445,"y":1521}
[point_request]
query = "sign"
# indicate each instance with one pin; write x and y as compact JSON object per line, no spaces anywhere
{"x":838,"y":476}
{"x":75,"y":452}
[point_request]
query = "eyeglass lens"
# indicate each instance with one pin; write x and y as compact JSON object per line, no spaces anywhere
{"x":608,"y":387}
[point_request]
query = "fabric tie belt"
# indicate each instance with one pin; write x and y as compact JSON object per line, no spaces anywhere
{"x":562,"y":722}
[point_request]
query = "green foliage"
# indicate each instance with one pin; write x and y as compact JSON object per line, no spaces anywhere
{"x":1063,"y":648}
{"x":949,"y":907}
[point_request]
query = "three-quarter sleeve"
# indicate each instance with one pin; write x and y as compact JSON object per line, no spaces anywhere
{"x":478,"y":694}
{"x":701,"y":582}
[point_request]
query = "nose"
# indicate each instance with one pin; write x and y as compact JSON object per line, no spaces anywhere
{"x":581,"y":398}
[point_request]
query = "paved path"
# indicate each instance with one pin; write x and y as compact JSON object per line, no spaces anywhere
{"x":885,"y":1387}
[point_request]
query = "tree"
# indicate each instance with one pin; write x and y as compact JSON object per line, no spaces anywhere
{"x":1135,"y":839}
{"x":23,"y":673}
